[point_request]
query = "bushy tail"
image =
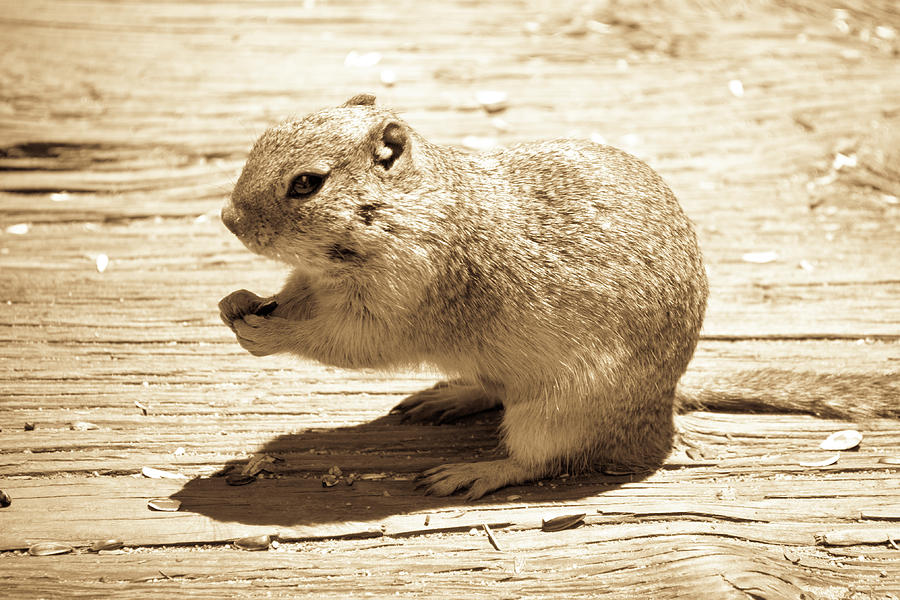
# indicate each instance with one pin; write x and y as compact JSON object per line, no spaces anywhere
{"x":834,"y":396}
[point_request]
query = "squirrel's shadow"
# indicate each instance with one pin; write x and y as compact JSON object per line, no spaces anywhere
{"x":378,"y":463}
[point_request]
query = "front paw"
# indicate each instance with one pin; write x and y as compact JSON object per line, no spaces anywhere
{"x":238,"y":304}
{"x":260,"y":336}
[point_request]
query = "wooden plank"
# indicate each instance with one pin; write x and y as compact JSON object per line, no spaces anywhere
{"x":133,"y":157}
{"x":297,"y":501}
{"x":681,"y":564}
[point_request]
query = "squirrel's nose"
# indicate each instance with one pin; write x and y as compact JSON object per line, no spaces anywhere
{"x":230,"y":218}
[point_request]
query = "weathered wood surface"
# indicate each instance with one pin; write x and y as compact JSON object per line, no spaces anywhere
{"x":122,"y":127}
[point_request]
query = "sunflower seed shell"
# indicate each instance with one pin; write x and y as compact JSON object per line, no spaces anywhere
{"x":254,"y":543}
{"x":164,"y":504}
{"x":50,"y":548}
{"x":842,"y":440}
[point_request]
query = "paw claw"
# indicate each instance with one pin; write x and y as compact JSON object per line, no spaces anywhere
{"x":445,"y":402}
{"x":237,"y":304}
{"x":257,"y":334}
{"x":432,"y":471}
{"x":477,"y":479}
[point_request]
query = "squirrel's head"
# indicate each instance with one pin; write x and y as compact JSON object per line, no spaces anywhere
{"x":335,"y":191}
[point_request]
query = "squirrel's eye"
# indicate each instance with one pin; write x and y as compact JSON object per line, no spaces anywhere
{"x":304,"y":185}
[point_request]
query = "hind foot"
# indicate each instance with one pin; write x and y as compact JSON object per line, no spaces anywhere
{"x":478,"y":478}
{"x":446,"y":402}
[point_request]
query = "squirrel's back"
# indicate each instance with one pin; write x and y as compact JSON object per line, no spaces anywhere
{"x":579,"y":246}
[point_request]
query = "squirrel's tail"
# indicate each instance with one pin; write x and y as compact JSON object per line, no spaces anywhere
{"x":836,"y":396}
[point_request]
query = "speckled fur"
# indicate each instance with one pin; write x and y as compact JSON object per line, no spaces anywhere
{"x":560,"y":279}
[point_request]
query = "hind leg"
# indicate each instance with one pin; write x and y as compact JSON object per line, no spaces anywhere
{"x":448,"y":401}
{"x":543,"y":440}
{"x":539,"y":444}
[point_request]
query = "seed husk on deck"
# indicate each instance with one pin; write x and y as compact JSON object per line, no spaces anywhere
{"x":49,"y":549}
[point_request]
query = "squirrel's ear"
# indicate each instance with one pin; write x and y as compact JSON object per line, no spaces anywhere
{"x":360,"y":100}
{"x":390,"y":144}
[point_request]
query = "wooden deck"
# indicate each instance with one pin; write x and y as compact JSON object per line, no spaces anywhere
{"x":123,"y":126}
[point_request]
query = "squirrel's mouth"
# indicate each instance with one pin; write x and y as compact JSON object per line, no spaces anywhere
{"x":343,"y":254}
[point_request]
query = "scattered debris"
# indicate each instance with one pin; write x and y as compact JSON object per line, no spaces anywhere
{"x":83,"y":426}
{"x":18,"y":229}
{"x":388,"y":77}
{"x":500,"y":124}
{"x":759,"y":258}
{"x":842,"y":160}
{"x":882,"y":513}
{"x":695,"y":454}
{"x":885,"y":32}
{"x":239,"y":479}
{"x":820,"y":463}
{"x":253,"y":543}
{"x":492,"y":101}
{"x":164,"y":504}
{"x":160,"y":474}
{"x":143,"y":408}
{"x":804,"y":121}
{"x":791,"y":555}
{"x":5,"y":500}
{"x":727,"y":493}
{"x":179,"y":451}
{"x":479,"y":143}
{"x":165,"y":576}
{"x":848,"y":439}
{"x":563,"y":522}
{"x":853,"y":537}
{"x":260,"y":463}
{"x":518,"y":564}
{"x":50,"y":548}
{"x":362,"y":60}
{"x":736,"y":87}
{"x":632,"y":140}
{"x":851,"y":54}
{"x":333,"y":476}
{"x":29,"y":426}
{"x":490,"y":537}
{"x":102,"y":261}
{"x":106,"y":545}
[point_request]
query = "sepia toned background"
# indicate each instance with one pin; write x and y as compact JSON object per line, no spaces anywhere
{"x":123,"y":126}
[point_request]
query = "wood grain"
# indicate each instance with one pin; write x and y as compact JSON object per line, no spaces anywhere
{"x":122,"y":128}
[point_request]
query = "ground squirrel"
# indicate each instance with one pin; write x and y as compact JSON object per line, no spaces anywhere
{"x":560,"y":280}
